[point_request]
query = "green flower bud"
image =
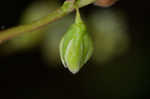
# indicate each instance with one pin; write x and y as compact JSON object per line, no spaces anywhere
{"x":76,"y":46}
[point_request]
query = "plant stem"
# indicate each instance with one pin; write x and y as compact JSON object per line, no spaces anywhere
{"x":67,"y":7}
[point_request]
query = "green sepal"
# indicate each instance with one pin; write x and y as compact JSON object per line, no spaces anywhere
{"x":76,"y":46}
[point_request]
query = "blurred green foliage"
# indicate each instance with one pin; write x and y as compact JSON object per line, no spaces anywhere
{"x":33,"y":12}
{"x":110,"y":33}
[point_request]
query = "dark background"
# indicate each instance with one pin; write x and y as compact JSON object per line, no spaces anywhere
{"x":26,"y":76}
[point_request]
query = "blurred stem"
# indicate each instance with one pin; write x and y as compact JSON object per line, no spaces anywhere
{"x":66,"y":8}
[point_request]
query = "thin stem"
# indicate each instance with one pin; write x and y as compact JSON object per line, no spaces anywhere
{"x":67,"y":7}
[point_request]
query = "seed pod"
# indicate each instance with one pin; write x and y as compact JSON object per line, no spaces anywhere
{"x":76,"y":46}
